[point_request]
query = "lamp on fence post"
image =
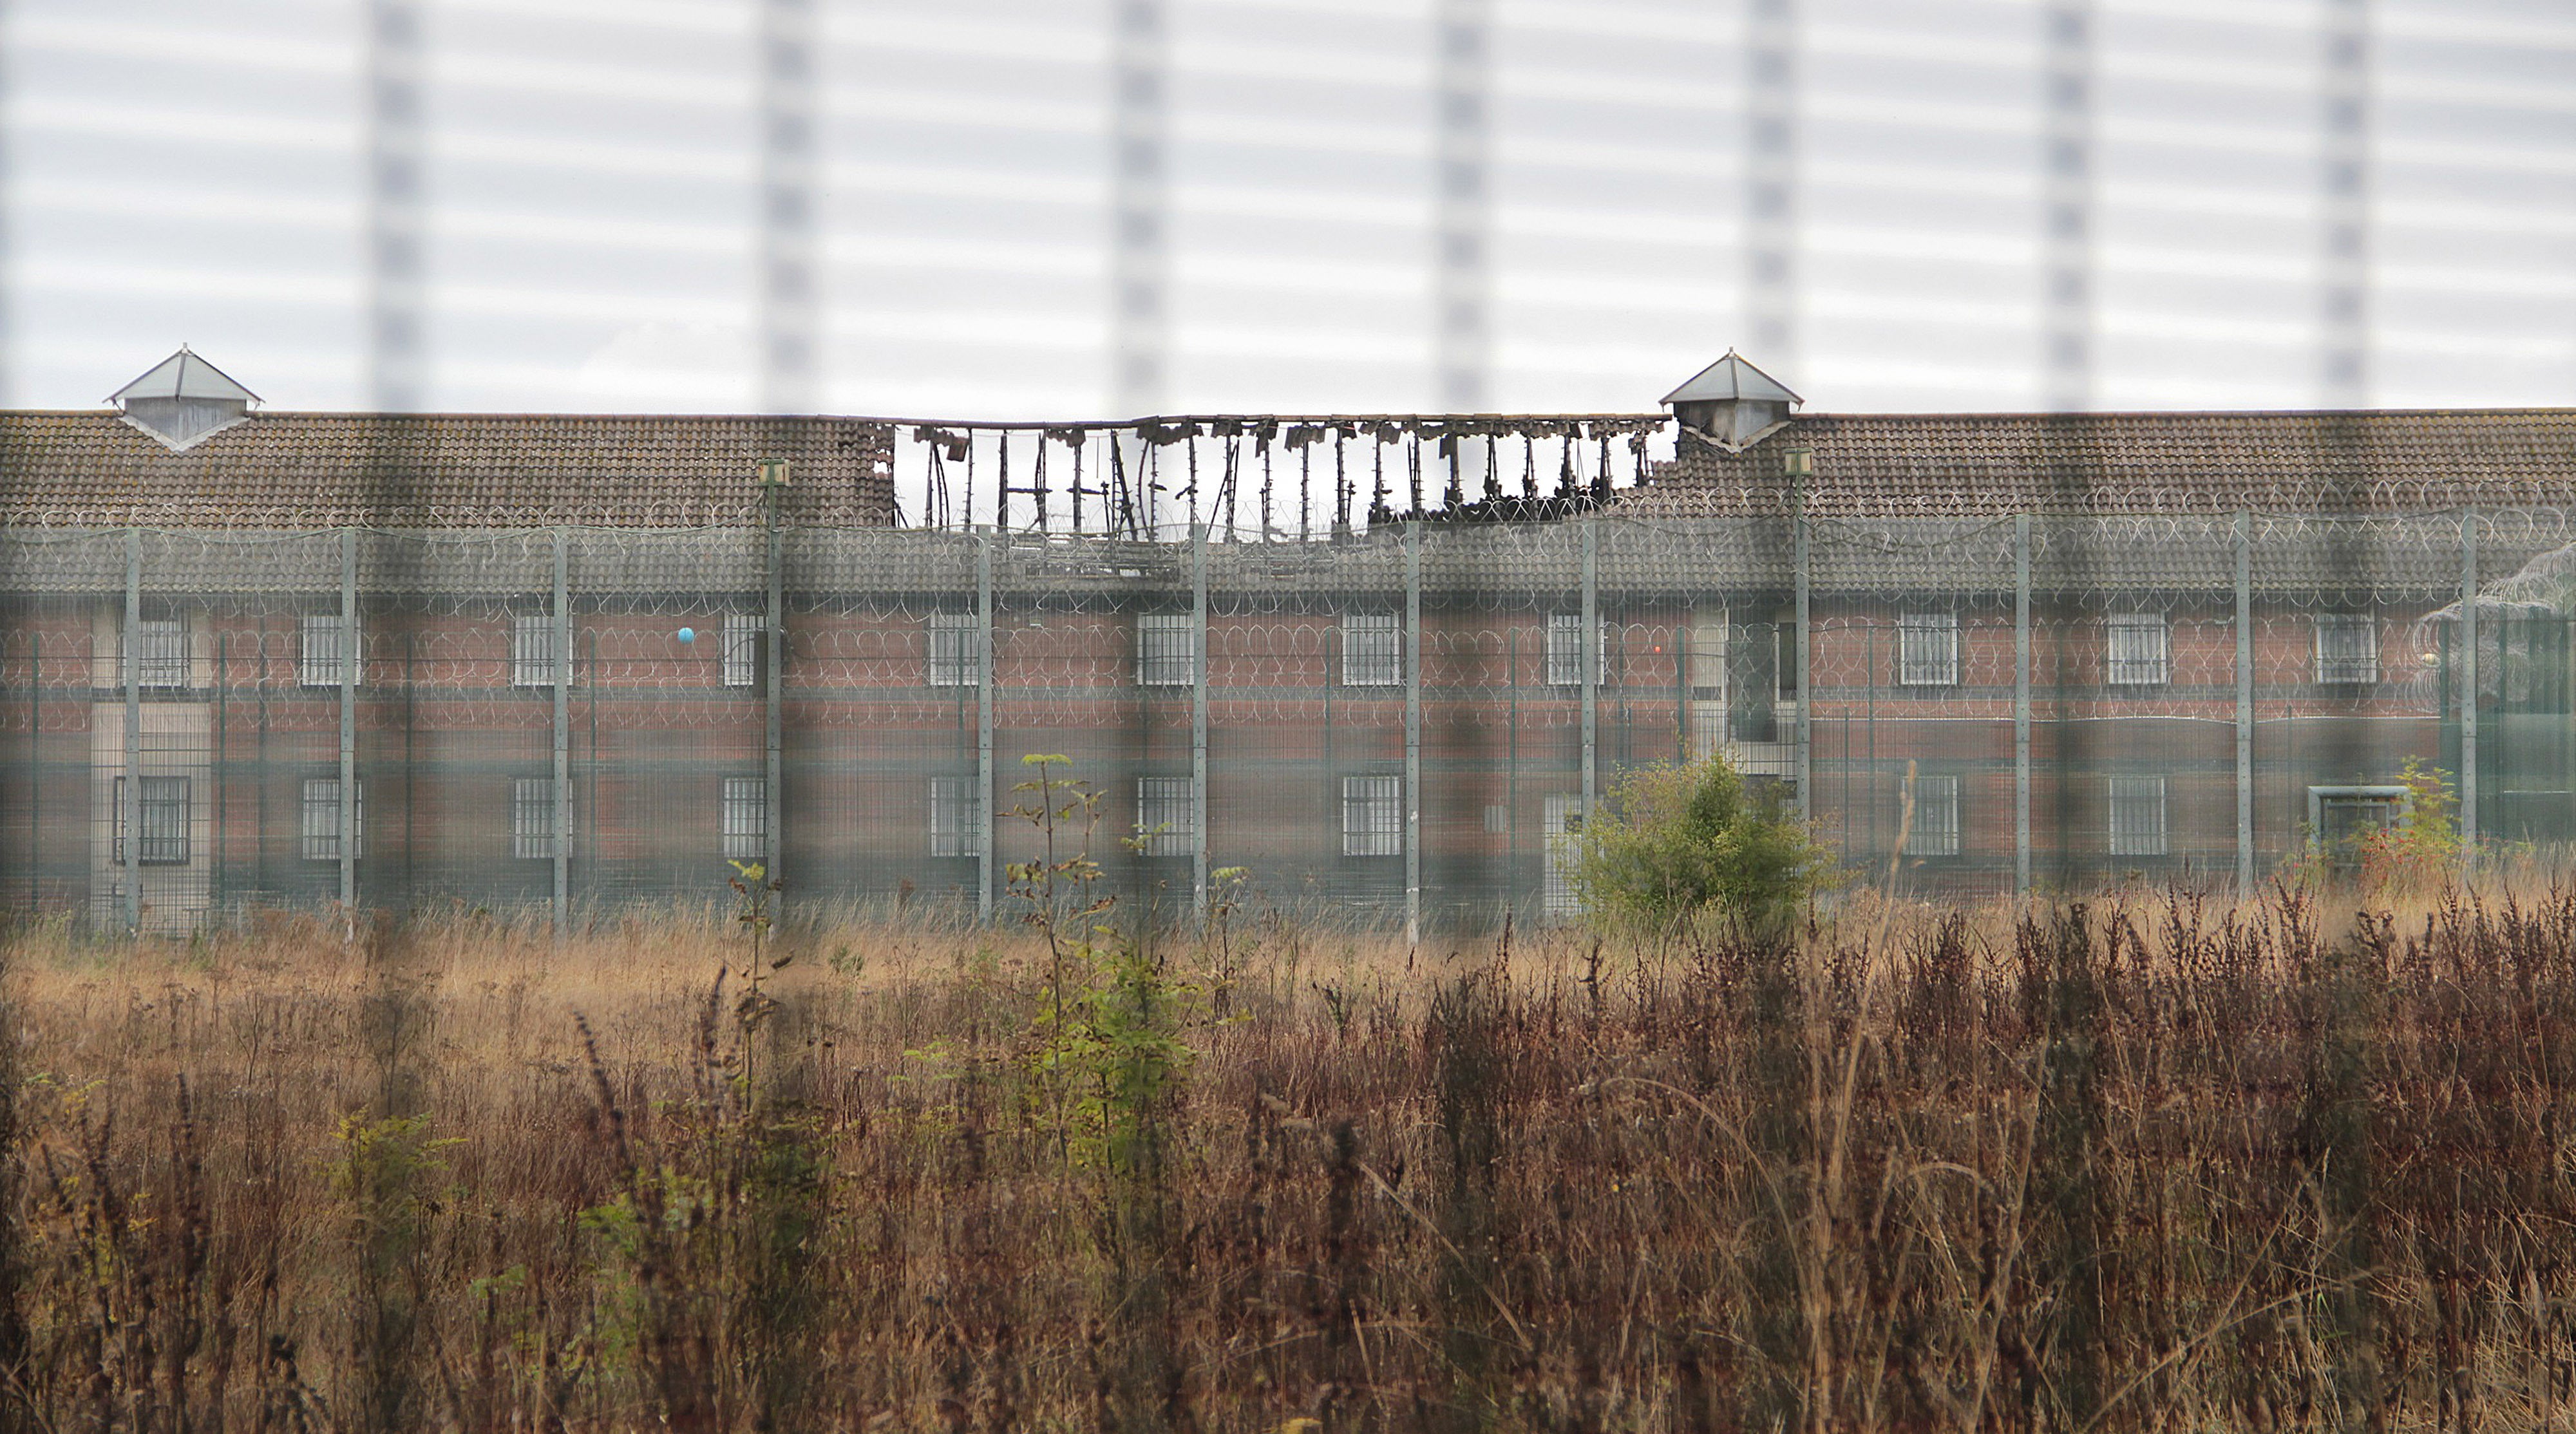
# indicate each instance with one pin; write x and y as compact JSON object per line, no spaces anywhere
{"x":1798,"y":465}
{"x":773,"y":642}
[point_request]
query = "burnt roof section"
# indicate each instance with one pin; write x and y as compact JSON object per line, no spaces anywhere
{"x":1971,"y":464}
{"x":293,"y":470}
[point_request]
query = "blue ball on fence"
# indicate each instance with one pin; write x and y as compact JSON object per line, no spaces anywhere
{"x":688,"y":635}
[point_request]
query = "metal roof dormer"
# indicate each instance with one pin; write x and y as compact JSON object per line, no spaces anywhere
{"x":183,"y":400}
{"x":1732,"y":404}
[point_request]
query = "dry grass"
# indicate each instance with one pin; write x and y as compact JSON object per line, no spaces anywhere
{"x":2139,"y":1165}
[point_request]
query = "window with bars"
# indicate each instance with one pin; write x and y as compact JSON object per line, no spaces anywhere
{"x":2135,"y":650}
{"x":1372,"y":650}
{"x":1565,"y":651}
{"x":956,"y":817}
{"x":318,"y":659}
{"x":532,"y":649}
{"x":1927,"y":649}
{"x":2347,"y":647}
{"x":164,"y":814}
{"x":321,"y":820}
{"x":1372,"y":816}
{"x":1936,"y":829}
{"x":2138,"y":816}
{"x":1163,"y":650}
{"x":161,"y":652}
{"x":740,"y":654}
{"x":532,"y":818}
{"x":1167,"y":820}
{"x":956,"y":649}
{"x":743,"y":818}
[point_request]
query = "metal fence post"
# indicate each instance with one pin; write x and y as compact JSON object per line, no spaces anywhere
{"x":1588,"y":653}
{"x":563,"y":733}
{"x":349,"y":728}
{"x":2021,"y":702}
{"x":773,"y":678}
{"x":2469,"y":681}
{"x":1803,"y":577}
{"x":2245,"y":704}
{"x":1199,"y":719}
{"x":129,"y":662}
{"x":984,"y":724}
{"x":1412,"y":734}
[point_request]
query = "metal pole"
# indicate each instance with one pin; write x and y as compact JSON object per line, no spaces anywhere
{"x":1589,"y":654}
{"x":2021,"y":703}
{"x":1199,"y":719}
{"x":773,"y":652}
{"x":2469,"y":686}
{"x":349,"y":728}
{"x":2245,"y":704}
{"x":1412,"y":734}
{"x":1806,"y":672}
{"x":130,"y":664}
{"x":984,"y":723}
{"x":563,"y":733}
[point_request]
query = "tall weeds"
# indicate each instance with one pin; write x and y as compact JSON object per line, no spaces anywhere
{"x":2149,"y":1163}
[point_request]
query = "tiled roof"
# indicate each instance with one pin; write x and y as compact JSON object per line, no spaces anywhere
{"x":445,"y":471}
{"x":1964,"y":465}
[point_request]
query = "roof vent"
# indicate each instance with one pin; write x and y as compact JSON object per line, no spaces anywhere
{"x":1732,"y":404}
{"x":183,"y":401}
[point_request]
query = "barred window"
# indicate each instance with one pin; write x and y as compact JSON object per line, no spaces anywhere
{"x":1167,"y":820}
{"x":321,"y":825}
{"x":743,"y":634}
{"x":532,"y":818}
{"x":956,"y":649}
{"x":956,"y":817}
{"x":1565,"y":651}
{"x":2137,"y":816}
{"x":318,"y":663}
{"x":2136,"y":652}
{"x":1936,"y":816}
{"x":532,"y":649}
{"x":161,"y":652}
{"x":1372,"y":816}
{"x":165,"y":822}
{"x":1163,"y":649}
{"x":1927,"y":649}
{"x":744,"y":818}
{"x":2347,"y":647}
{"x":1372,"y":650}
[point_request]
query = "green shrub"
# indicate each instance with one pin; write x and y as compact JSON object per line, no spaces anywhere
{"x":1676,"y":844}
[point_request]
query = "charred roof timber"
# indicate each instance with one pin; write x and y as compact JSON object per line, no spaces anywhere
{"x":183,"y":400}
{"x":1732,"y":404}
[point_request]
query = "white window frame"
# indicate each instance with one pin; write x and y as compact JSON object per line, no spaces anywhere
{"x":320,"y":825}
{"x":532,"y":649}
{"x":161,"y":652}
{"x":1166,"y":816}
{"x":957,"y":824}
{"x":1565,"y":651}
{"x":166,"y":841}
{"x":1166,"y":649}
{"x":1927,"y":649}
{"x":532,"y":818}
{"x":742,"y":819}
{"x":2137,"y":650}
{"x":1373,"y":816}
{"x":1940,"y":816}
{"x":2357,"y":663}
{"x":1372,"y":650}
{"x":956,"y":650}
{"x":2138,"y":817}
{"x":738,"y":648}
{"x":318,"y":658}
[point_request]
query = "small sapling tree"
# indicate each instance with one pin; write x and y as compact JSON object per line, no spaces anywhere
{"x":1680,"y":844}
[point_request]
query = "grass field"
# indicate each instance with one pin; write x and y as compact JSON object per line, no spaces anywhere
{"x":2144,"y":1164}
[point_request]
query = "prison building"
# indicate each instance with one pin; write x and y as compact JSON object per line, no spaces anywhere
{"x":1367,"y":666}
